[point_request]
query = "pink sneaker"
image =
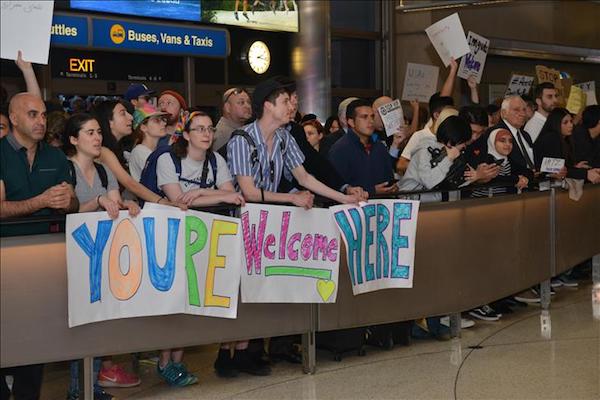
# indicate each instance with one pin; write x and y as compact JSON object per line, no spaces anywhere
{"x":117,"y":377}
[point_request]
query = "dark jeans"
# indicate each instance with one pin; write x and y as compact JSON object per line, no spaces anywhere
{"x":27,"y":382}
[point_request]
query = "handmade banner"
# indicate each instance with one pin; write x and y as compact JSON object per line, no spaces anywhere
{"x":420,"y":82}
{"x":576,"y":101}
{"x":380,"y":243}
{"x":473,"y":62}
{"x":519,"y":84}
{"x":164,"y":261}
{"x":291,"y":255}
{"x":392,"y":117}
{"x":448,"y":38}
{"x":589,"y":88}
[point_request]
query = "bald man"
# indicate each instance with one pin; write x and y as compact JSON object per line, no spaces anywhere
{"x":34,"y":177}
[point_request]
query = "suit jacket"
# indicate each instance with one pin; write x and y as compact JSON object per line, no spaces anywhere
{"x":515,"y":156}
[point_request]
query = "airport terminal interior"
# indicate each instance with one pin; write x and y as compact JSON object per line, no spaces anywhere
{"x":388,"y":280}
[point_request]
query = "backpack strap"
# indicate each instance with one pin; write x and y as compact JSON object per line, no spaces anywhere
{"x":248,"y":138}
{"x":73,"y":173}
{"x":102,"y":175}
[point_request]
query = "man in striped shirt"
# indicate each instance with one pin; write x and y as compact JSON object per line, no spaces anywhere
{"x":258,"y":170}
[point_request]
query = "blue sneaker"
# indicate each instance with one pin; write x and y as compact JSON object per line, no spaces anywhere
{"x":175,"y":374}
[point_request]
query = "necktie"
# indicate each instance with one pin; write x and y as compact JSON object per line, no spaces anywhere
{"x":524,"y":151}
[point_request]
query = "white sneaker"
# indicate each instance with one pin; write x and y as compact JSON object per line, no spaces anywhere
{"x":464,"y":322}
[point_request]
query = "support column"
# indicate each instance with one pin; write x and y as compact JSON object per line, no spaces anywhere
{"x":190,"y":80}
{"x":311,"y":58}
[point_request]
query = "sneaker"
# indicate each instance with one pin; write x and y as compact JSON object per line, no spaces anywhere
{"x":567,"y":282}
{"x":555,"y":283}
{"x":245,"y":14}
{"x":243,"y":362}
{"x":536,"y":290}
{"x":99,"y":394}
{"x":528,"y":296}
{"x":464,"y":322}
{"x":235,"y":14}
{"x":117,"y":377}
{"x":175,"y":374}
{"x":224,"y":366}
{"x":485,"y":313}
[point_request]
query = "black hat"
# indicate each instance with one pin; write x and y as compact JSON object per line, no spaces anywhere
{"x":264,"y":89}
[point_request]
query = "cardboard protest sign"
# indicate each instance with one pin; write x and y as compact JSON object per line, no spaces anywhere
{"x":420,"y":82}
{"x":545,"y":74}
{"x":25,"y":26}
{"x":380,"y":243}
{"x":151,"y":265}
{"x":519,"y":84}
{"x":589,"y":88}
{"x":448,"y":38}
{"x":576,"y":101}
{"x":473,"y":62}
{"x":392,"y":117}
{"x":552,"y":165}
{"x":291,"y":255}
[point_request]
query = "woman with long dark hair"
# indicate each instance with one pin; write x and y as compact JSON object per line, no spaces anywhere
{"x":555,"y":141}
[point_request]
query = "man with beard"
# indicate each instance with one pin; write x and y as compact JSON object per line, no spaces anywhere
{"x":546,"y":98}
{"x":174,"y":105}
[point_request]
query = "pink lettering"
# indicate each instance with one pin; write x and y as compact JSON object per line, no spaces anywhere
{"x":292,"y":253}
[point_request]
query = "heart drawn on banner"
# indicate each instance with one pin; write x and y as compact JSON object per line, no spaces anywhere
{"x":325,"y":288}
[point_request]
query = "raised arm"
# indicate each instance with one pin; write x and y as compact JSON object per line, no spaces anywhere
{"x":29,"y":75}
{"x":449,"y":83}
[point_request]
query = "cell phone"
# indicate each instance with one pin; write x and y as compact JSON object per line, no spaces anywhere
{"x":392,"y":182}
{"x":498,"y":162}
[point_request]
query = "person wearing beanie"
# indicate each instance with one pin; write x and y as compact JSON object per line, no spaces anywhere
{"x":149,"y":125}
{"x":174,"y":105}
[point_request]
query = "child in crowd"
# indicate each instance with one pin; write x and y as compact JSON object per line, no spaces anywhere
{"x":96,"y":189}
{"x":510,"y":177}
{"x":150,"y":126}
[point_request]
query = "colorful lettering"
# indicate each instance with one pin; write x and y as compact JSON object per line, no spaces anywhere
{"x":215,"y":261}
{"x":161,"y":277}
{"x":124,"y":285}
{"x":197,"y":226}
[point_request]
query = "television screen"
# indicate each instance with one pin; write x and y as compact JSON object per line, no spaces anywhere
{"x":271,"y":15}
{"x":188,"y":10}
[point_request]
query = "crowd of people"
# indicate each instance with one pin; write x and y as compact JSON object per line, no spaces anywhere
{"x":116,"y":154}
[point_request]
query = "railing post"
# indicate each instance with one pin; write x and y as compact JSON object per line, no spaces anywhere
{"x":88,"y":378}
{"x":455,"y":326}
{"x":309,"y":345}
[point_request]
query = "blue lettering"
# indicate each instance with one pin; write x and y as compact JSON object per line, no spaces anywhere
{"x":401,"y":211}
{"x":369,"y":211}
{"x":354,"y":243}
{"x":161,"y":277}
{"x":383,"y":258}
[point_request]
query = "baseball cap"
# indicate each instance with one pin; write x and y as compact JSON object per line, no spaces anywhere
{"x":136,"y":90}
{"x":264,"y":89}
{"x":142,"y":113}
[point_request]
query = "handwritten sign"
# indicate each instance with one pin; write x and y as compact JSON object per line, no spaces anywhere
{"x":473,"y":62}
{"x":420,"y":82}
{"x":448,"y":38}
{"x":552,"y":165}
{"x":519,"y":85}
{"x":577,"y":100}
{"x":291,"y":255}
{"x":25,"y":26}
{"x":545,"y":74}
{"x":589,"y":88}
{"x":392,"y":116}
{"x":380,"y":243}
{"x":163,"y":261}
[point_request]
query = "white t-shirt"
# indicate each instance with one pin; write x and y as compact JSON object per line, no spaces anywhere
{"x":414,"y":140}
{"x":137,"y":160}
{"x":190,"y":170}
{"x":534,"y":125}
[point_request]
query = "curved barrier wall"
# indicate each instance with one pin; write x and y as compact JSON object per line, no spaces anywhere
{"x":468,"y":253}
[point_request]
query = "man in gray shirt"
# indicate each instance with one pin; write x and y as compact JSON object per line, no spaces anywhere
{"x":237,"y":110}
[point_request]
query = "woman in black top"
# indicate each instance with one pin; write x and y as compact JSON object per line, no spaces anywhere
{"x":555,"y":141}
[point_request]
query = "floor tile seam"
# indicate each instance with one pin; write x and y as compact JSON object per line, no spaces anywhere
{"x":541,"y":341}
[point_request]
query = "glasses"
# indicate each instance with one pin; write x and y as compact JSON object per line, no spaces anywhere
{"x":231,"y":92}
{"x":204,"y":129}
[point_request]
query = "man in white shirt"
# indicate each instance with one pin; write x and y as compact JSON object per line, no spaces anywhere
{"x":546,"y":98}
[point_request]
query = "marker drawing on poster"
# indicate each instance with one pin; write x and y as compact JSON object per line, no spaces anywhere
{"x":392,"y":117}
{"x":589,"y":88}
{"x":420,"y":82}
{"x":472,"y":63}
{"x":291,"y":255}
{"x":380,"y":243}
{"x":519,"y":84}
{"x":448,"y":38}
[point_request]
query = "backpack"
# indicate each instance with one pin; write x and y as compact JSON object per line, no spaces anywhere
{"x":99,"y":169}
{"x":149,"y":178}
{"x":253,"y":150}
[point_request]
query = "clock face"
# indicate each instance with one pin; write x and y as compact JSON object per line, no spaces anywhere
{"x":259,"y":57}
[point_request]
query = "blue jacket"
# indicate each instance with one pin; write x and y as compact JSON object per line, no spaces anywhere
{"x":359,"y":168}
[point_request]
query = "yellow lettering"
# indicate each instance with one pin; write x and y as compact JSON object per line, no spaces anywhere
{"x":217,"y":261}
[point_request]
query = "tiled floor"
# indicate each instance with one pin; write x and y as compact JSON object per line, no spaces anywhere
{"x":513,"y":360}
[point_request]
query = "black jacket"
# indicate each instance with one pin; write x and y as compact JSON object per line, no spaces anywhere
{"x":550,"y":144}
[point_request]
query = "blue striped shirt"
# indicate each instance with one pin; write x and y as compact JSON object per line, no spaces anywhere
{"x":240,"y":163}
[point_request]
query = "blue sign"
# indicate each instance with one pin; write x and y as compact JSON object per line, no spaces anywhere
{"x":116,"y":34}
{"x":71,"y":30}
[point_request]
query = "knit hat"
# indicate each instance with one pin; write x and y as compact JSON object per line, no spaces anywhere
{"x":177,"y":96}
{"x":143,"y":113}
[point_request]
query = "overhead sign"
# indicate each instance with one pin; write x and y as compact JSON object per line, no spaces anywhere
{"x":69,"y":30}
{"x":125,"y":35}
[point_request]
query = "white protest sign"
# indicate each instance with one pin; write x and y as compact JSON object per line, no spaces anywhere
{"x":392,"y":117}
{"x":519,"y":85}
{"x":420,"y":82}
{"x":151,"y":265}
{"x":589,"y":88}
{"x":552,"y":165}
{"x":448,"y":38}
{"x":380,"y":243}
{"x":291,"y":255}
{"x":26,"y":27}
{"x":473,"y":62}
